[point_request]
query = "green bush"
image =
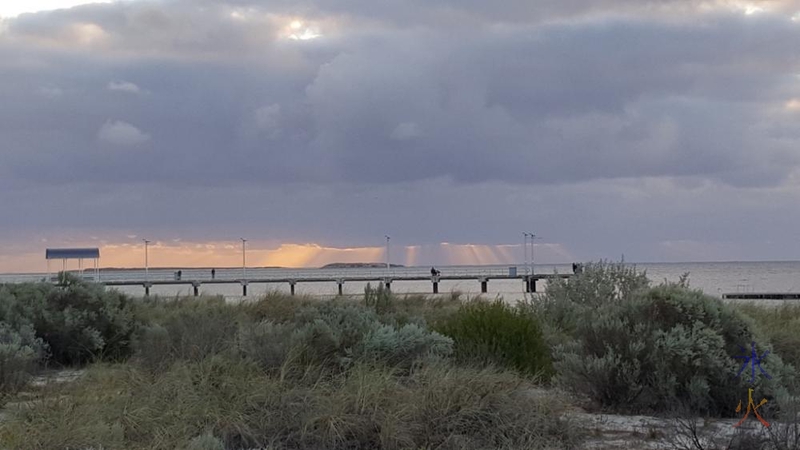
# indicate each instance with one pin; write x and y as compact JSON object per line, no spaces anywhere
{"x":380,"y":299}
{"x":664,"y":348}
{"x":206,"y":442}
{"x":153,"y":348}
{"x":496,"y":332}
{"x":20,"y":353}
{"x":276,"y":306}
{"x":78,"y":321}
{"x":598,"y":284}
{"x":200,"y":327}
{"x":231,"y":400}
{"x":266,"y":343}
{"x":781,"y":325}
{"x":340,"y":335}
{"x":401,"y":347}
{"x":347,"y":324}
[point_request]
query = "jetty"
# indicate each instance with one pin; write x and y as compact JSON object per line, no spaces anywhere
{"x":198,"y":277}
{"x":762,"y":296}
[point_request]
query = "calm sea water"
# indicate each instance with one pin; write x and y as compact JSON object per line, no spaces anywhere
{"x":714,"y":278}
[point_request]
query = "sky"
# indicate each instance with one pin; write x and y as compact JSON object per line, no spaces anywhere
{"x":661,"y":130}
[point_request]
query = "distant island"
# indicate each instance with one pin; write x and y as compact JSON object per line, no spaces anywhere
{"x":358,"y":265}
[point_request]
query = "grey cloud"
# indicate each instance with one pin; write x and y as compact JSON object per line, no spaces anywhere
{"x":503,"y":111}
{"x":123,"y":86}
{"x":118,"y":132}
{"x":529,"y":104}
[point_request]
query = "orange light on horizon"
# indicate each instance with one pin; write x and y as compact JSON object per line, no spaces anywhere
{"x":220,"y":254}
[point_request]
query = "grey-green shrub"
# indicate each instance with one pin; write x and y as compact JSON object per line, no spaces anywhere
{"x":403,"y":346}
{"x":198,"y":328}
{"x":79,"y":321}
{"x":598,"y":284}
{"x":205,"y":442}
{"x":499,"y":333}
{"x":266,"y":342}
{"x":20,"y":353}
{"x":339,"y":335}
{"x":781,"y":325}
{"x":665,"y":347}
{"x":153,"y":348}
{"x":380,"y":299}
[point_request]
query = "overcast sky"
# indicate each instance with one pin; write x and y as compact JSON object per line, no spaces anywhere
{"x":664,"y":130}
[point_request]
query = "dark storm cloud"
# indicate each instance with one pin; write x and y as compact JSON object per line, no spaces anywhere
{"x":527,"y":104}
{"x":214,"y":97}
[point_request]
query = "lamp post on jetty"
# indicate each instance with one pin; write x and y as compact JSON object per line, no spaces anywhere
{"x":387,"y":254}
{"x":525,"y":249}
{"x":533,"y":236}
{"x":146,"y":262}
{"x":244,"y":261}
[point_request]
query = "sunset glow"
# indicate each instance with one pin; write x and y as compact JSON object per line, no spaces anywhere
{"x":308,"y":255}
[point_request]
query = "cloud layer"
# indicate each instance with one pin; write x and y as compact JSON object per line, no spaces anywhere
{"x":609,"y":127}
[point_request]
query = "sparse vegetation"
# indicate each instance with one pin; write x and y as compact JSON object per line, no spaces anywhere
{"x":385,"y":371}
{"x":285,"y":374}
{"x":634,"y":348}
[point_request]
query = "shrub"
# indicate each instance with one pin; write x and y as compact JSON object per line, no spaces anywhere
{"x":78,"y":321}
{"x":346,"y":323}
{"x":153,"y":348}
{"x":664,"y":347}
{"x":266,"y":343}
{"x":496,"y":332}
{"x":339,"y":335}
{"x":276,"y":307}
{"x":20,"y":353}
{"x":200,"y":327}
{"x":781,"y":325}
{"x":421,"y":310}
{"x":403,"y":346}
{"x":231,"y":401}
{"x":598,"y":284}
{"x":380,"y":299}
{"x":206,"y":442}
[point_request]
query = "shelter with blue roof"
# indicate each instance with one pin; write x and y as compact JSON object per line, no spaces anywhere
{"x":65,"y":254}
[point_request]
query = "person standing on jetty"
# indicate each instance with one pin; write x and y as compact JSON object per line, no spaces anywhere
{"x":213,"y":273}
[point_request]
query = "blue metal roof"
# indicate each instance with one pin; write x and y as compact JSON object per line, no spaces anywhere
{"x":72,"y":253}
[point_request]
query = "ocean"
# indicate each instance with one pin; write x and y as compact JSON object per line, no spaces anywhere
{"x":714,"y":278}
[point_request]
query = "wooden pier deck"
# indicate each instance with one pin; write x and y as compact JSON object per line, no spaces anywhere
{"x":528,"y":280}
{"x":762,"y":296}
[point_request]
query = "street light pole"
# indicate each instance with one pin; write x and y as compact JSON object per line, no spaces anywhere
{"x":387,"y":253}
{"x":525,"y":249}
{"x":244,"y":261}
{"x":146,"y":262}
{"x":533,"y":236}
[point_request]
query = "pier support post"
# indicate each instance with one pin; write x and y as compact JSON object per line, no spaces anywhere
{"x":147,"y":289}
{"x":532,"y":287}
{"x":484,"y":285}
{"x":291,"y":286}
{"x":340,"y":282}
{"x":196,"y":287}
{"x":244,"y":288}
